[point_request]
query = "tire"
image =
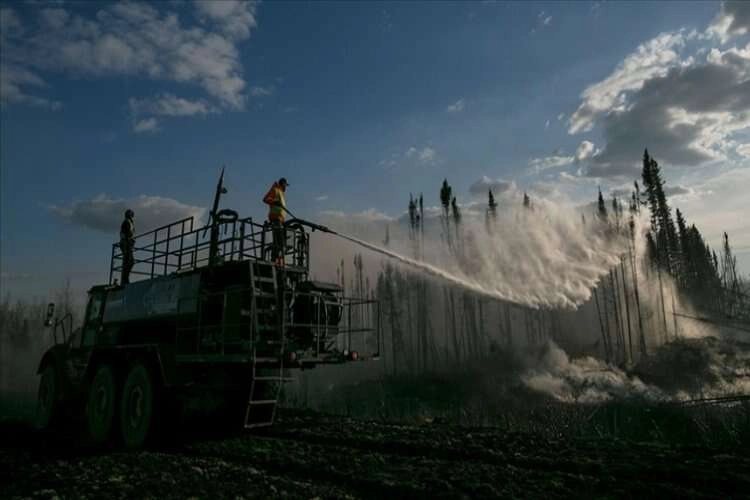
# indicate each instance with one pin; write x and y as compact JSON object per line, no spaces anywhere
{"x":137,"y":407}
{"x":101,"y":405}
{"x":47,"y":399}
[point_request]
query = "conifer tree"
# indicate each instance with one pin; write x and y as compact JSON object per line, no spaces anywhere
{"x":662,"y":225}
{"x":446,"y":193}
{"x":491,"y":214}
{"x":602,"y":210}
{"x":456,"y":213}
{"x":445,"y":196}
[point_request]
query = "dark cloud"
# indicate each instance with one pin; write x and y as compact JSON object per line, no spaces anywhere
{"x":106,"y":214}
{"x":735,"y":18}
{"x":682,"y":117}
{"x":668,"y":190}
{"x":483,"y":185}
{"x":676,"y":190}
{"x":613,"y":171}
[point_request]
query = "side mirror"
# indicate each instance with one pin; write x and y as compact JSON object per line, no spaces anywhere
{"x":50,"y":313}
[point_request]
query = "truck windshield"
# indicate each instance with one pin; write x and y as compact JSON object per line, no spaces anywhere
{"x":94,"y":309}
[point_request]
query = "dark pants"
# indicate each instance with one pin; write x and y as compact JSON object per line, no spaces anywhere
{"x":128,"y":261}
{"x":277,"y":247}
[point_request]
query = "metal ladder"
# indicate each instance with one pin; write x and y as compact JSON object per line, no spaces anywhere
{"x":268,"y":346}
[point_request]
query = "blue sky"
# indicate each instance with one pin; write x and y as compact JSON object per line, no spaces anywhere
{"x":108,"y":105}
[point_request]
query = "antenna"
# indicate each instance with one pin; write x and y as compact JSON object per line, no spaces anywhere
{"x":213,"y":221}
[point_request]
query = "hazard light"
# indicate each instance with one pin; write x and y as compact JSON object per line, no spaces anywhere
{"x":354,"y":356}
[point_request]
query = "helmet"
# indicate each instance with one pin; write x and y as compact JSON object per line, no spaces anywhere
{"x":283,"y":182}
{"x":129,"y":214}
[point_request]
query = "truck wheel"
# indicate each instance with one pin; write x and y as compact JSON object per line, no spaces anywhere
{"x":100,"y":407}
{"x":136,"y":407}
{"x":46,"y":403}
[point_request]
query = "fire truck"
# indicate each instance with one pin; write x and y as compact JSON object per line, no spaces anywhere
{"x":210,"y":325}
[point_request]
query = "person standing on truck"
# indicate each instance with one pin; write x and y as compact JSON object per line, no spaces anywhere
{"x":276,"y":202}
{"x":127,"y":245}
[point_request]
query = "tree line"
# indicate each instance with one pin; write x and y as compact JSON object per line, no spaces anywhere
{"x":635,"y":306}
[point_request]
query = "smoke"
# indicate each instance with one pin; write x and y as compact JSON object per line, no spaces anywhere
{"x":583,"y":380}
{"x":678,"y":371}
{"x":19,"y":360}
{"x":708,"y":367}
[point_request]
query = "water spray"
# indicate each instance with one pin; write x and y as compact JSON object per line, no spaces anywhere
{"x":428,"y":268}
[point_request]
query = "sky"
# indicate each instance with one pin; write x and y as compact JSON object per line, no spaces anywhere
{"x":108,"y":106}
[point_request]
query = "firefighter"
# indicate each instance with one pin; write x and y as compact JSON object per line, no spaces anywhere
{"x":276,"y":202}
{"x":127,"y":245}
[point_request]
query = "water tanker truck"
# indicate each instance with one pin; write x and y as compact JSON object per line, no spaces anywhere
{"x":209,"y":326}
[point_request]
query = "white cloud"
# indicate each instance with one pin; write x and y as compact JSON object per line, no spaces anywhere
{"x":650,"y":59}
{"x":546,"y":125}
{"x":542,"y":20}
{"x":235,"y":17}
{"x":584,"y":151}
{"x":685,"y":117}
{"x":483,"y":185}
{"x":12,"y":78}
{"x":560,"y":116}
{"x":425,"y":155}
{"x":539,"y":164}
{"x":388,"y":163}
{"x":732,"y":20}
{"x":258,"y":91}
{"x":684,"y":108}
{"x":146,"y":125}
{"x":168,"y":105}
{"x":323,"y":197}
{"x":721,"y":207}
{"x":743,"y":150}
{"x":457,"y":106}
{"x":371,"y":214}
{"x":138,"y":39}
{"x":106,"y":214}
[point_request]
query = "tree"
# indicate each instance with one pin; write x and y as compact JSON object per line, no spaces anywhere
{"x":687,"y":256}
{"x":491,"y":215}
{"x":526,"y":200}
{"x":662,"y":225}
{"x":446,"y":193}
{"x":602,"y":211}
{"x":455,"y":211}
{"x":729,"y":277}
{"x":445,"y":196}
{"x":412,"y":212}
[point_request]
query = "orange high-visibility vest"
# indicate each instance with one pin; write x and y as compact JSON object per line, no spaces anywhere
{"x":275,"y":197}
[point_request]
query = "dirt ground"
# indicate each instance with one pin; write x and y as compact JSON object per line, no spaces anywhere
{"x":309,"y":455}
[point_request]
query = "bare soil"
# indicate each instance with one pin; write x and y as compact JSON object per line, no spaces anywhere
{"x":309,"y":455}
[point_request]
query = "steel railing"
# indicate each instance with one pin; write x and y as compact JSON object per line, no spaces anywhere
{"x":180,"y":246}
{"x":327,"y":339}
